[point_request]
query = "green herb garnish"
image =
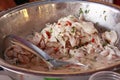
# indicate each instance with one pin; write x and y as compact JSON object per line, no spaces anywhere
{"x":105,"y":17}
{"x":73,"y":30}
{"x":76,"y":47}
{"x":104,"y":44}
{"x":87,"y":11}
{"x":80,"y":11}
{"x":51,"y":30}
{"x":104,"y":12}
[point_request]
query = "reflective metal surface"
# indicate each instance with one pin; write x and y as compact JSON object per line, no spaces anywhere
{"x":27,"y":18}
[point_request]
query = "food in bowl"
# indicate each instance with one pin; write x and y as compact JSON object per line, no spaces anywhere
{"x":70,"y":39}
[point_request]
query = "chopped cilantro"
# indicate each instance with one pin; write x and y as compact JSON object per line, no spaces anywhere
{"x":97,"y":24}
{"x":104,"y":44}
{"x":87,"y":11}
{"x":51,"y":30}
{"x":104,"y":12}
{"x":80,"y":11}
{"x":73,"y":30}
{"x":105,"y":17}
{"x":76,"y":47}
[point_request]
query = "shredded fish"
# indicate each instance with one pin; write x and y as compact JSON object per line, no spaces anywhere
{"x":71,"y":39}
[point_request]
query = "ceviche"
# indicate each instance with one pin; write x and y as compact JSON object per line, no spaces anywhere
{"x":69,"y":39}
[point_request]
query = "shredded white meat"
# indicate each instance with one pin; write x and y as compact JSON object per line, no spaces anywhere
{"x":72,"y":39}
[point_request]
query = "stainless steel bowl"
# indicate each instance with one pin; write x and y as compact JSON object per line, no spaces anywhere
{"x":30,"y":17}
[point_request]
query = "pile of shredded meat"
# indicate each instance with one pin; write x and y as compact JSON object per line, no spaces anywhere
{"x":71,"y":39}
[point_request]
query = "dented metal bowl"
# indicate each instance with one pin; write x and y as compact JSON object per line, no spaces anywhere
{"x":30,"y":17}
